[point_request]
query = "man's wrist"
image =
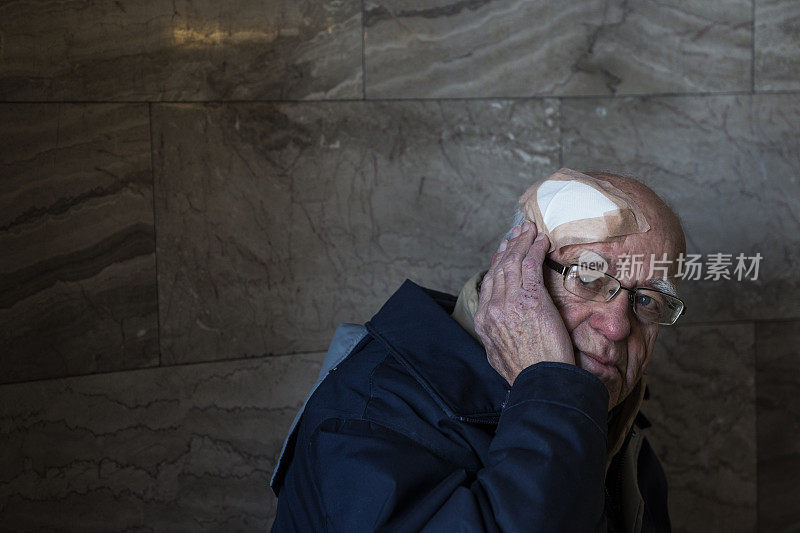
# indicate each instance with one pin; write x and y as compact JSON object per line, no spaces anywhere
{"x":565,"y":384}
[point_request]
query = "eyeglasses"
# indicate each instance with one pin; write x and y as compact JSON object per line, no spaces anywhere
{"x":649,"y":305}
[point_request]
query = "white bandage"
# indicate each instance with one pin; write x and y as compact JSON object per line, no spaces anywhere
{"x":573,"y":208}
{"x":566,"y":201}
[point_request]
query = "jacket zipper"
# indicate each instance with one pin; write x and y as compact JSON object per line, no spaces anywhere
{"x":616,"y":498}
{"x":490,"y":419}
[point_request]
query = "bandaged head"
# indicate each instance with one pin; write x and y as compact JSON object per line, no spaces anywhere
{"x":574,"y":208}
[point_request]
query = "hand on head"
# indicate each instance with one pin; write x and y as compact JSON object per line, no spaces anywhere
{"x":516,"y":318}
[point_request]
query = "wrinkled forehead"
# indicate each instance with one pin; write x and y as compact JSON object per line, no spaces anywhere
{"x":638,"y":257}
{"x":665,"y":234}
{"x":575,"y":208}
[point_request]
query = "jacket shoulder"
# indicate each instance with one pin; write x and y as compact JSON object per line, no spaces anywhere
{"x":374,"y":386}
{"x":348,"y":341}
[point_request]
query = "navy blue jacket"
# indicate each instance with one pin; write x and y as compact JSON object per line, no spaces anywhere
{"x":414,"y":430}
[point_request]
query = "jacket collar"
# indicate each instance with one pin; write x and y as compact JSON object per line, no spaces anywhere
{"x":415,"y":325}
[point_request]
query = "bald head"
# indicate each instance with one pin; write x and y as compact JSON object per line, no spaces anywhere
{"x":663,"y":221}
{"x":664,"y":236}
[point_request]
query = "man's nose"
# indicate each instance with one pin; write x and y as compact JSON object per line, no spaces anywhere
{"x":613,"y":319}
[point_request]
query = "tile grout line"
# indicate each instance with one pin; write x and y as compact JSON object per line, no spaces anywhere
{"x":736,"y":321}
{"x":617,"y":96}
{"x":363,"y":52}
{"x":155,"y":230}
{"x":753,"y":47}
{"x":264,"y":357}
{"x":157,"y":367}
{"x":560,"y":133}
{"x":755,"y":417}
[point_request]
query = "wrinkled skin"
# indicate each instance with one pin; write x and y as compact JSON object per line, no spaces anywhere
{"x":525,"y":315}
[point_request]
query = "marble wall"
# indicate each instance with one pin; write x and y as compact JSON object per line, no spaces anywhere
{"x":194,"y":194}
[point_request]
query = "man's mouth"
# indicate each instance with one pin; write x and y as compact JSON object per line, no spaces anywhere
{"x":596,"y":365}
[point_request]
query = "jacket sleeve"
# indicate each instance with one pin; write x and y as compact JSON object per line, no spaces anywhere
{"x":545,"y":468}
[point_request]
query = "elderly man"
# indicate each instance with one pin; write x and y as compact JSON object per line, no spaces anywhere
{"x":515,"y":406}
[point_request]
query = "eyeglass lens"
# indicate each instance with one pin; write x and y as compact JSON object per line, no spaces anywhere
{"x":649,"y":305}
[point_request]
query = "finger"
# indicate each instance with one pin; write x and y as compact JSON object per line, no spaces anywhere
{"x":498,"y":282}
{"x":498,"y":253}
{"x":488,"y":279}
{"x":532,"y":271}
{"x":515,"y":254}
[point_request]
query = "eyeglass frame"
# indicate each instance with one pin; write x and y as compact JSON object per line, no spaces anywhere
{"x":564,"y":269}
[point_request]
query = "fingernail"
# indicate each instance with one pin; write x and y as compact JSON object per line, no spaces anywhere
{"x":526,"y":226}
{"x":539,"y":237}
{"x":502,"y":246}
{"x":516,"y":231}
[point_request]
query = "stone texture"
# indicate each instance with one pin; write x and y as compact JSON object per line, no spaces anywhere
{"x":702,"y":407}
{"x":777,"y":45}
{"x":728,"y":165}
{"x":519,"y":48}
{"x":778,"y":407}
{"x":181,"y":449}
{"x":77,"y":268}
{"x":179,"y":50}
{"x":277,"y":222}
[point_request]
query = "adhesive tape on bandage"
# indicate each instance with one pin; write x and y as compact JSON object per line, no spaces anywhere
{"x":574,"y":208}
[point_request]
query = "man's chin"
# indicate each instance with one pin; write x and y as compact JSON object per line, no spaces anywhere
{"x":608,"y":374}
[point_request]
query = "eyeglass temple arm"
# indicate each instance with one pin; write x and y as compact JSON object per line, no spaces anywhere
{"x":558,"y":267}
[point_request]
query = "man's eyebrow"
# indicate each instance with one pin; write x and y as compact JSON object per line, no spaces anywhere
{"x":664,"y":285}
{"x":608,"y":258}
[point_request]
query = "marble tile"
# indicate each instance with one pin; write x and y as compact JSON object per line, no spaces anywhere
{"x":521,"y":48}
{"x":278,"y":222}
{"x":702,"y":406}
{"x":180,"y":50}
{"x":778,"y":409}
{"x":729,"y":167}
{"x":77,"y":268}
{"x":777,"y":45}
{"x":185,"y":448}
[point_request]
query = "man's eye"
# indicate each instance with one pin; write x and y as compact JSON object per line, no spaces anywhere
{"x":591,"y":282}
{"x":647,"y":302}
